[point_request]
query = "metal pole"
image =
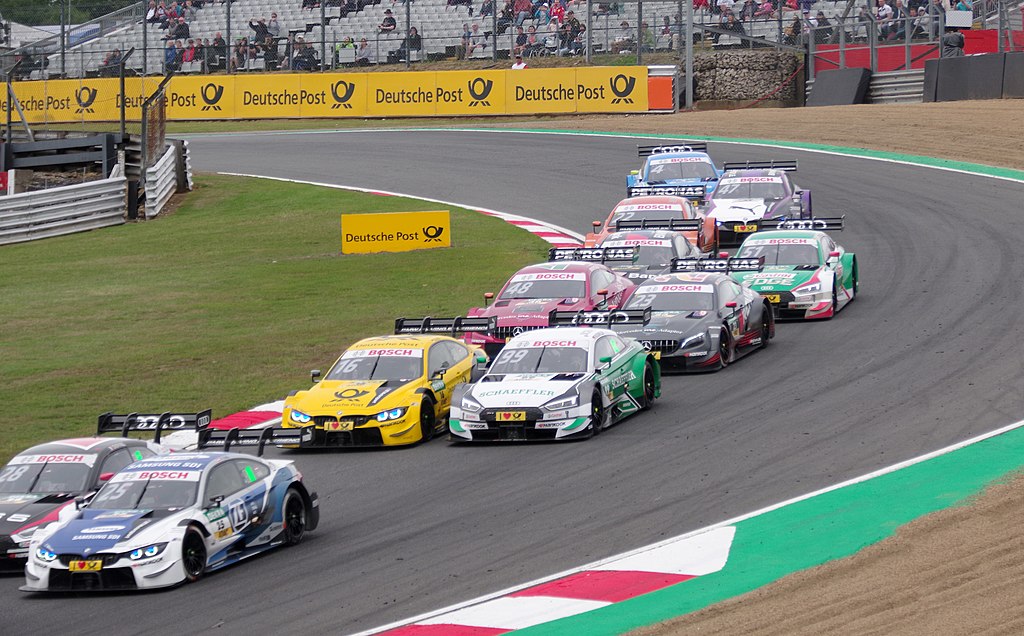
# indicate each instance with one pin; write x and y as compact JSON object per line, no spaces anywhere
{"x":10,"y":102}
{"x":811,"y":33}
{"x":145,"y":45}
{"x":907,"y":28}
{"x":323,"y":32}
{"x":227,"y":29}
{"x":494,"y":32}
{"x":639,"y":33}
{"x":590,"y":34}
{"x":873,"y":43}
{"x":689,"y":55}
{"x":842,"y":44}
{"x":63,"y":40}
{"x":408,"y":25}
{"x":1001,"y":26}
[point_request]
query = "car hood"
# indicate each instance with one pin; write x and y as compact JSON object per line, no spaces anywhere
{"x":524,"y":390}
{"x":531,"y":312}
{"x":668,"y":325}
{"x":29,"y":510}
{"x":776,"y":277}
{"x":739,"y":209}
{"x":347,"y":395}
{"x":96,"y":531}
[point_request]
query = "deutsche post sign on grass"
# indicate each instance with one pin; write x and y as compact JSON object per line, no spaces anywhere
{"x":395,"y":232}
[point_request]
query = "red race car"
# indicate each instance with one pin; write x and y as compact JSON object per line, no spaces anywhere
{"x":657,"y":213}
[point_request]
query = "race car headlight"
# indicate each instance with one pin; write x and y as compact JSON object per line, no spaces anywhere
{"x":470,"y":405}
{"x":299,"y":417}
{"x":807,"y":290}
{"x":693,"y":341}
{"x":393,"y":414}
{"x":45,"y":555}
{"x":146,"y":552}
{"x":562,"y":404}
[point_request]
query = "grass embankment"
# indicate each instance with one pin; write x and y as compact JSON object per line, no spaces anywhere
{"x":226,"y":303}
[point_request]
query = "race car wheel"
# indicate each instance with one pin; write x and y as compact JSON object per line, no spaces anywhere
{"x":193,"y":554}
{"x":835,"y":301}
{"x":648,"y":386}
{"x":596,"y":413}
{"x":724,"y":348}
{"x":428,"y":420}
{"x":766,"y":328}
{"x":294,"y":517}
{"x":855,"y":276}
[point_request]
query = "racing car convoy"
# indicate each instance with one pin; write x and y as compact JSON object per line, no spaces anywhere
{"x":565,"y":350}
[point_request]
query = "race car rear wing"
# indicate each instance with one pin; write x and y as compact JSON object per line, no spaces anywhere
{"x":594,"y":254}
{"x":789,"y":165}
{"x":678,"y":225}
{"x":258,"y":437}
{"x":683,"y":146}
{"x":167,"y":421}
{"x":724,"y":265}
{"x":822,"y":224}
{"x":451,"y":326}
{"x":599,"y":318}
{"x":698,"y":191}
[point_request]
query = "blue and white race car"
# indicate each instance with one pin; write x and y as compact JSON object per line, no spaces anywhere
{"x":684,"y":170}
{"x":168,"y":520}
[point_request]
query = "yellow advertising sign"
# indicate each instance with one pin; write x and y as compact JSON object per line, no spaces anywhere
{"x":395,"y":232}
{"x":470,"y":93}
{"x":345,"y":94}
{"x":398,"y":94}
{"x":605,"y":89}
{"x":541,"y":91}
{"x":195,"y":97}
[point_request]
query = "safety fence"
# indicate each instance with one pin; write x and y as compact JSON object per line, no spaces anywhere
{"x":64,"y":210}
{"x":161,"y":182}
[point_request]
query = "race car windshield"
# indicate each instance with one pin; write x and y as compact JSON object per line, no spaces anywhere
{"x":544,"y":289}
{"x":688,"y":170}
{"x":672,"y":301}
{"x":749,"y":190}
{"x":44,"y":478}
{"x":389,"y":367}
{"x":792,"y":254}
{"x":541,"y":360}
{"x":654,"y":255}
{"x":145,"y":494}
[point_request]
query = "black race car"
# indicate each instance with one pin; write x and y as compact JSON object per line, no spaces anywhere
{"x":41,"y":480}
{"x":701,"y":320}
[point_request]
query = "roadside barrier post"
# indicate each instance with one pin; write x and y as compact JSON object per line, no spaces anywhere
{"x":590,"y":31}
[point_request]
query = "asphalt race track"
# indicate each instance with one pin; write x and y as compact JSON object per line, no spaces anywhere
{"x":927,"y":356}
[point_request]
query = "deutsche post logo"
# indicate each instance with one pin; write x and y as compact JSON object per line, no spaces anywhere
{"x":623,"y":87}
{"x":350,"y":394}
{"x":211,"y":94}
{"x":85,"y":97}
{"x":433,"y":232}
{"x":342,"y":92}
{"x":479,"y":89}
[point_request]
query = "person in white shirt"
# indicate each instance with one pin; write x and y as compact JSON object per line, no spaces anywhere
{"x":519,"y":63}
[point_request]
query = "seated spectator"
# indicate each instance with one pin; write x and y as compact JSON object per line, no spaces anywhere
{"x":898,"y":27}
{"x":240,"y":54}
{"x":260,"y":29}
{"x":179,"y":31}
{"x":486,"y":9}
{"x":415,"y":42}
{"x":310,"y":4}
{"x":305,"y":58}
{"x":188,"y":11}
{"x":552,"y":40}
{"x":202,"y":46}
{"x":791,"y":34}
{"x":623,"y":42}
{"x":464,"y":42}
{"x":156,"y":15}
{"x":724,"y":8}
{"x":520,"y":43}
{"x":111,"y":65}
{"x":822,"y":29}
{"x":534,"y":46}
{"x":883,"y":17}
{"x":647,"y":40}
{"x":189,"y":54}
{"x":540,"y":12}
{"x":174,"y":12}
{"x":365,"y":54}
{"x":765,"y":10}
{"x":388,"y":24}
{"x":731,"y":24}
{"x":523,"y":10}
{"x":169,"y":57}
{"x":569,"y":34}
{"x":477,"y":40}
{"x":748,"y":10}
{"x":218,"y":55}
{"x":270,"y":54}
{"x":179,"y":54}
{"x":557,"y":11}
{"x":920,"y":23}
{"x":505,"y":18}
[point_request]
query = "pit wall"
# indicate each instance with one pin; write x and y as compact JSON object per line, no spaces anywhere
{"x":323,"y":95}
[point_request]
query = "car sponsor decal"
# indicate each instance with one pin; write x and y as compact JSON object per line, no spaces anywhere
{"x":87,"y":459}
{"x":638,"y":243}
{"x":781,"y":241}
{"x":678,"y":288}
{"x":731,"y":180}
{"x":158,"y":475}
{"x":402,"y":352}
{"x":625,"y":378}
{"x":549,"y":276}
{"x":773,"y":278}
{"x":19,"y":499}
{"x":551,"y":343}
{"x":655,"y":162}
{"x":638,"y":207}
{"x":510,"y":392}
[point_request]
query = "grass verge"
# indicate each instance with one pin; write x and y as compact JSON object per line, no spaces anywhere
{"x":225,"y":303}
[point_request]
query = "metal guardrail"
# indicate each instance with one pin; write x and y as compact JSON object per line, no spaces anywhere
{"x":65,"y":210}
{"x":893,"y":87}
{"x":161,"y":182}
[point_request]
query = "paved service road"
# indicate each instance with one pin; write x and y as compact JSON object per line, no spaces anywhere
{"x":928,"y":355}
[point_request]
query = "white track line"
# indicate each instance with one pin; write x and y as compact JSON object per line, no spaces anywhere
{"x":728,"y":522}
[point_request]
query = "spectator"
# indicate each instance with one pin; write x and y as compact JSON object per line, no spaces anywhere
{"x":169,"y":55}
{"x":310,"y":4}
{"x":189,"y":54}
{"x":520,"y":44}
{"x":365,"y":55}
{"x":111,"y":65}
{"x":487,"y":8}
{"x":241,"y":54}
{"x":570,"y":31}
{"x":464,"y":42}
{"x":188,"y":11}
{"x":883,"y":17}
{"x":953,"y":43}
{"x":505,"y":18}
{"x":305,"y":58}
{"x":748,"y":11}
{"x":898,"y":30}
{"x":557,"y":11}
{"x":551,"y":38}
{"x":805,"y":6}
{"x":623,"y":42}
{"x":179,"y":31}
{"x":964,"y":5}
{"x":173,"y":12}
{"x":731,"y":24}
{"x":766,"y":10}
{"x":270,"y":54}
{"x":533,"y":44}
{"x":647,"y":41}
{"x":519,"y":64}
{"x":273,"y":26}
{"x":415,"y":42}
{"x":260,"y":30}
{"x":388,"y":24}
{"x":822,"y":29}
{"x":723,"y":7}
{"x":179,"y":54}
{"x":523,"y":10}
{"x":921,"y":23}
{"x":791,"y":34}
{"x":541,"y":11}
{"x":156,"y":15}
{"x":477,"y":40}
{"x":219,"y":55}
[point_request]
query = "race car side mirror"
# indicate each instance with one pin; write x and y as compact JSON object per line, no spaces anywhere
{"x":105,"y":477}
{"x":481,"y":359}
{"x":214,"y":501}
{"x":596,"y":224}
{"x":634,"y":172}
{"x":723,"y":255}
{"x":488,"y":296}
{"x":314,"y":375}
{"x":605,"y":361}
{"x":731,"y":304}
{"x":79,"y":502}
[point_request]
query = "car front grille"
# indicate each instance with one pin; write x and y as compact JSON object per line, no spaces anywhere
{"x":108,"y":559}
{"x":661,"y":346}
{"x":357,"y":420}
{"x":510,"y":332}
{"x":111,"y":579}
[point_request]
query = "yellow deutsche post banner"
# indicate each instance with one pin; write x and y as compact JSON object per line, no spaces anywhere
{"x":269,"y":96}
{"x":395,"y":232}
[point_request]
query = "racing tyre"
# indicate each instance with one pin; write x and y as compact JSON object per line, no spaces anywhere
{"x":648,"y":397}
{"x":596,"y":414}
{"x":835,"y":301}
{"x":428,"y":419}
{"x":766,"y":328}
{"x":193,"y":554}
{"x":724,"y":348}
{"x":295,"y":515}
{"x":855,"y":276}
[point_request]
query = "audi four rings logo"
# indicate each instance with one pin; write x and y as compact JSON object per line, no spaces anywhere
{"x":433,"y":233}
{"x":342,"y":92}
{"x":85,"y":97}
{"x":623,"y":92}
{"x":211,"y":94}
{"x":480,"y":89}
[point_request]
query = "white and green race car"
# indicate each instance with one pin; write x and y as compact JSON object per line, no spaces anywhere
{"x":558,"y":383}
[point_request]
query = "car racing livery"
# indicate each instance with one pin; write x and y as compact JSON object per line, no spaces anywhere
{"x":557,"y":384}
{"x":752,"y":191}
{"x":40,"y":481}
{"x":167,"y":520}
{"x":700,"y":321}
{"x":656,"y":213}
{"x":532,"y":293}
{"x":807,"y":275}
{"x":388,"y":390}
{"x":637,"y":254}
{"x":686,"y":165}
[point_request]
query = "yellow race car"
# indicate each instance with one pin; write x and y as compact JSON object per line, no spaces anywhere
{"x":388,"y":390}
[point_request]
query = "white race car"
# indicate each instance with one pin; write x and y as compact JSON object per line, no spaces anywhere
{"x":558,"y":383}
{"x":168,"y":520}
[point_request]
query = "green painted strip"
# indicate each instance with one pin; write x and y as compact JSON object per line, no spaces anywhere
{"x":456,"y":425}
{"x":576,"y":424}
{"x":806,"y":534}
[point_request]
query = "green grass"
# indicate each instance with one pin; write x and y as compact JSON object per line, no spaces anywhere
{"x":225,"y":303}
